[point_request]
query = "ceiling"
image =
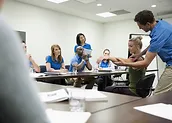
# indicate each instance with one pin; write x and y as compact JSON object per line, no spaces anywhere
{"x":88,"y":8}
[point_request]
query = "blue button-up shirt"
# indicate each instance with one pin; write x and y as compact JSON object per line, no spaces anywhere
{"x":76,"y":60}
{"x":161,"y":41}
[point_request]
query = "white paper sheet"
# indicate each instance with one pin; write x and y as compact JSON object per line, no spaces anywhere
{"x":67,"y":117}
{"x":34,"y":75}
{"x":160,"y":109}
{"x":54,"y":96}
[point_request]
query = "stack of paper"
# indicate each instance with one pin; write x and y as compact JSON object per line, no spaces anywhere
{"x":63,"y":94}
{"x":34,"y":75}
{"x":90,"y":95}
{"x":54,"y":96}
{"x":67,"y":117}
{"x":159,"y":109}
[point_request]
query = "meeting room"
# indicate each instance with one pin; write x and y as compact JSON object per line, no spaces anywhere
{"x":86,"y":61}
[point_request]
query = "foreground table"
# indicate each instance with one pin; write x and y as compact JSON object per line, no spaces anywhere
{"x":93,"y":107}
{"x":126,"y":114}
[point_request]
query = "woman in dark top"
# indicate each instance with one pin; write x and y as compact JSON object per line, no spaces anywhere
{"x":135,"y":74}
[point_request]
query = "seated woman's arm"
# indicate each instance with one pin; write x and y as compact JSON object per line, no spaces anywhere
{"x":48,"y":67}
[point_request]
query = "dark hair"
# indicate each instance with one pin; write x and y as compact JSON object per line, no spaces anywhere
{"x":78,"y":39}
{"x":24,"y":42}
{"x":144,"y":16}
{"x":106,"y":50}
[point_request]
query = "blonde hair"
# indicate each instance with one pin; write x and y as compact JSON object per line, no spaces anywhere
{"x":137,"y":41}
{"x":59,"y":59}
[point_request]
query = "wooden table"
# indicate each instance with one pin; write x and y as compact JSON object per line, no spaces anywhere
{"x":93,"y":107}
{"x":126,"y":114}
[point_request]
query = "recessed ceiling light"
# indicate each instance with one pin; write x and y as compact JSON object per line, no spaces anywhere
{"x":153,"y":6}
{"x":99,"y":4}
{"x":106,"y":14}
{"x":57,"y":1}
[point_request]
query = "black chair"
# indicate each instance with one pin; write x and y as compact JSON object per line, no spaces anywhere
{"x":144,"y":85}
{"x":67,"y":67}
{"x":43,"y":68}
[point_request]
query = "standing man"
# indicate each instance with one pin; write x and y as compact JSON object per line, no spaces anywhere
{"x":19,"y":98}
{"x":161,"y":44}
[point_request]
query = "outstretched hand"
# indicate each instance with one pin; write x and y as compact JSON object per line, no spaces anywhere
{"x":120,"y":62}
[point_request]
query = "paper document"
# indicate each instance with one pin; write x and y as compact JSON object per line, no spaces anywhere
{"x":67,"y":117}
{"x":90,"y":95}
{"x":160,"y":109}
{"x":87,"y":51}
{"x":34,"y":75}
{"x":54,"y":96}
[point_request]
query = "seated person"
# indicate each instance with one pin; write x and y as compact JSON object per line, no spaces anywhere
{"x":135,"y":74}
{"x":79,"y":62}
{"x":32,"y":63}
{"x":55,"y":62}
{"x":104,"y":64}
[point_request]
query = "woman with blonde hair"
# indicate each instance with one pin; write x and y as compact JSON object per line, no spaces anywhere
{"x":55,"y":62}
{"x":134,"y":45}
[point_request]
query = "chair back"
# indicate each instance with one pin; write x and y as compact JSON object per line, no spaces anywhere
{"x":144,"y":85}
{"x":43,"y":68}
{"x":67,"y":67}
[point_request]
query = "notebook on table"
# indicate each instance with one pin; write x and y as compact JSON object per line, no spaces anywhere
{"x":63,"y":94}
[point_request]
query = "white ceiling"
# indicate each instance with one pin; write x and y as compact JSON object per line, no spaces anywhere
{"x":88,"y":9}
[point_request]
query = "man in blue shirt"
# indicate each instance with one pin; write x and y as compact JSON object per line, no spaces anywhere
{"x":79,"y":62}
{"x":161,"y":44}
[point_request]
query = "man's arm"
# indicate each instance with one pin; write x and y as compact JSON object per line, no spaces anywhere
{"x":139,"y":64}
{"x":35,"y":66}
{"x":18,"y":94}
{"x":88,"y":65}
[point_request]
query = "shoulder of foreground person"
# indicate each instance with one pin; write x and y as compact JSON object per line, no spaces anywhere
{"x":18,"y":94}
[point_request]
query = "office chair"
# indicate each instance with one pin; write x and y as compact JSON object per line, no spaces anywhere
{"x":143,"y":86}
{"x":67,"y":67}
{"x":42,"y":68}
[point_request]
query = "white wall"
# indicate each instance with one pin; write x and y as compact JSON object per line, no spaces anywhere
{"x":45,"y":27}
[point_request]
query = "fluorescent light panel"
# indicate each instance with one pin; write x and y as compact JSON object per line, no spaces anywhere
{"x":153,"y":6}
{"x":106,"y":14}
{"x":57,"y":1}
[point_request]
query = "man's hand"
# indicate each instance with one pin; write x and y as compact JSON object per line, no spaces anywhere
{"x":29,"y":57}
{"x":85,"y":57}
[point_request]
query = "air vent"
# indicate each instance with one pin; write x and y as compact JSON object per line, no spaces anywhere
{"x":120,"y":12}
{"x":86,"y":1}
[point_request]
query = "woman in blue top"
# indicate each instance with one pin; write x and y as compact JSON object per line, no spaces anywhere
{"x":104,"y":64}
{"x":55,"y":62}
{"x":80,"y":40}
